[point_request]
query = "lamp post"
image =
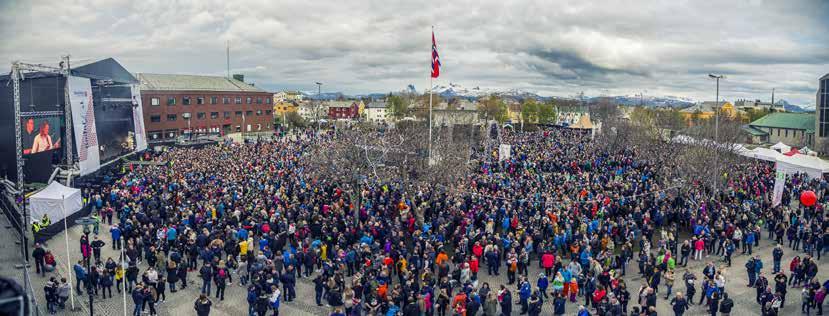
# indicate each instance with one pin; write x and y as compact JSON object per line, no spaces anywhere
{"x":716,"y":107}
{"x":717,"y":128}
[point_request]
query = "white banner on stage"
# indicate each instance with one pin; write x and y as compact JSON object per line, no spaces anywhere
{"x":83,"y":121}
{"x":779,"y":183}
{"x":138,"y":119}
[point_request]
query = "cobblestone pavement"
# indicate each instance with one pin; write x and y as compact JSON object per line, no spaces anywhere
{"x":235,"y":303}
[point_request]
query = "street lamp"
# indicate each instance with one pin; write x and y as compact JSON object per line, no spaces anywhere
{"x":716,"y":107}
{"x":717,"y":127}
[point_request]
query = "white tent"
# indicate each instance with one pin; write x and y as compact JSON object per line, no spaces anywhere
{"x":763,"y":154}
{"x":781,"y":147}
{"x":51,"y":198}
{"x":814,"y":167}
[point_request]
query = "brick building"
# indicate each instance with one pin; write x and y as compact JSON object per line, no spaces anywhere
{"x":177,"y":104}
{"x":343,"y":110}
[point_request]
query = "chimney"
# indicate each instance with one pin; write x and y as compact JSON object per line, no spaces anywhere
{"x":239,"y":77}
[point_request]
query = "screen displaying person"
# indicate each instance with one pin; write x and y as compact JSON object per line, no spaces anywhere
{"x":43,"y":141}
{"x":29,"y":135}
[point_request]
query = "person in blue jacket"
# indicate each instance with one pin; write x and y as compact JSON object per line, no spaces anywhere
{"x":542,"y":284}
{"x":524,"y":292}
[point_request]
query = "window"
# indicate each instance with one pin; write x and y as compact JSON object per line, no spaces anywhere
{"x":185,"y":100}
{"x":227,"y":114}
{"x":155,"y":118}
{"x":238,"y":113}
{"x":155,"y":134}
{"x":200,"y":100}
{"x":248,"y":113}
{"x":200,"y":115}
{"x":171,"y":100}
{"x":226,"y":100}
{"x":249,"y":100}
{"x":267,"y":100}
{"x":214,"y":100}
{"x":238,"y":100}
{"x":171,"y":117}
{"x":214,"y":115}
{"x":258,"y":100}
{"x":787,"y":133}
{"x":268,"y":112}
{"x":171,"y":133}
{"x":258,"y":112}
{"x":155,"y":101}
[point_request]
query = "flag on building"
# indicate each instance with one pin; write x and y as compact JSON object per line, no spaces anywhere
{"x":435,"y":58}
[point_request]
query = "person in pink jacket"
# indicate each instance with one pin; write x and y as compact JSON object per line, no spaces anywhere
{"x":699,"y":245}
{"x":547,"y":262}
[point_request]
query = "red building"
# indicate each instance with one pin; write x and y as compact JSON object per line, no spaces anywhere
{"x":344,"y":111}
{"x":179,"y":104}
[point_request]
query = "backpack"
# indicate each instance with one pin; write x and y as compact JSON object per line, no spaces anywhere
{"x":222,"y":274}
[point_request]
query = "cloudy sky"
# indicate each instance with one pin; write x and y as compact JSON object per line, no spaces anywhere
{"x":550,"y":47}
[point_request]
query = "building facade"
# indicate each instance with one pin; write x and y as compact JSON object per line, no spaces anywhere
{"x":344,"y":111}
{"x":177,"y":105}
{"x":793,"y":129}
{"x":377,"y":112}
{"x":822,"y":115}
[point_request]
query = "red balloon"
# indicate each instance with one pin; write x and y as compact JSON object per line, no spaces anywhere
{"x":808,"y":198}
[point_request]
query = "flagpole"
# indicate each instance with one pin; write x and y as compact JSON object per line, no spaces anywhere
{"x":68,"y":257}
{"x":431,"y":79}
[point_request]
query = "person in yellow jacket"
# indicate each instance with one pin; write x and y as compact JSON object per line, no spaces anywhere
{"x":119,"y":277}
{"x":243,"y":247}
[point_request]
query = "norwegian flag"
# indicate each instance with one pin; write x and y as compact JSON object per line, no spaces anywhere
{"x":435,"y":58}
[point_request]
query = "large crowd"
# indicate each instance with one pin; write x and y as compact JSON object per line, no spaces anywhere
{"x":256,"y":215}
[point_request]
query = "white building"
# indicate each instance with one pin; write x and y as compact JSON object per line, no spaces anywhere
{"x":377,"y":112}
{"x":287,"y":96}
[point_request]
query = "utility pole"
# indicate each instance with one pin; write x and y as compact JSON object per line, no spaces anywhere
{"x":319,"y":106}
{"x":772,"y":99}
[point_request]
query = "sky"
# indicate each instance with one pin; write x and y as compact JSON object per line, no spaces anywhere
{"x":552,"y":47}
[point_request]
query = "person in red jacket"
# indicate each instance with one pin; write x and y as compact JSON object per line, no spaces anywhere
{"x":473,"y":267}
{"x":548,"y":260}
{"x":478,"y":250}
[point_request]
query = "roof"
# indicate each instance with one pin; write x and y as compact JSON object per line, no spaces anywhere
{"x":753,"y":131}
{"x":376,"y":105}
{"x":802,"y":121}
{"x":707,"y":106}
{"x":106,"y":69}
{"x":171,"y":82}
{"x":826,"y":76}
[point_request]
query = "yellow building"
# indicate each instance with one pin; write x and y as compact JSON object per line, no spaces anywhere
{"x":707,"y":110}
{"x":282,"y":108}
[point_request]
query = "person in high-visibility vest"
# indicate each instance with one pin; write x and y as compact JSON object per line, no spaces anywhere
{"x":45,"y":221}
{"x":35,"y":227}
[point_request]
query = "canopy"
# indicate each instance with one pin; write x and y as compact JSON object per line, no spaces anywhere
{"x":49,"y":201}
{"x":792,"y":152}
{"x":812,"y":166}
{"x":781,"y":147}
{"x":763,"y":154}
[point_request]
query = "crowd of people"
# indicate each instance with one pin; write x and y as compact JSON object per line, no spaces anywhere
{"x":560,"y":205}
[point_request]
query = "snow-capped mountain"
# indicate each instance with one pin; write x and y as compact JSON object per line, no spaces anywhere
{"x":795,"y":108}
{"x":652,"y":101}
